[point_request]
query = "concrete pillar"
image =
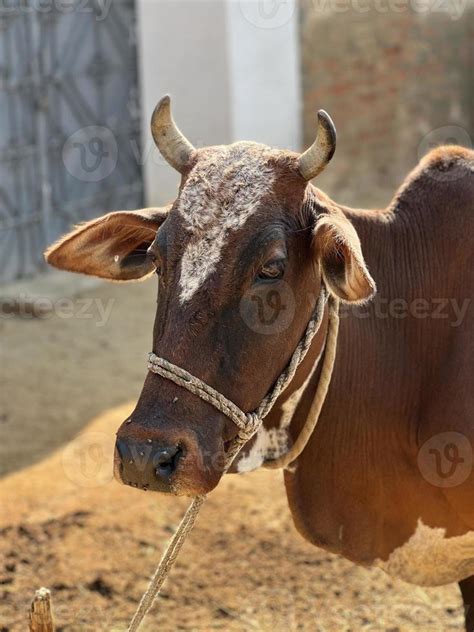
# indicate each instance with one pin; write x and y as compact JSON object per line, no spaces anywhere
{"x":264,"y":73}
{"x":232,"y":69}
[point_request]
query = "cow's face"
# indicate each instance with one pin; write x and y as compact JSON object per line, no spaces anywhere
{"x":239,"y":256}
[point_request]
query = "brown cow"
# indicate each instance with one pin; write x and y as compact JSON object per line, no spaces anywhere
{"x":387,"y":478}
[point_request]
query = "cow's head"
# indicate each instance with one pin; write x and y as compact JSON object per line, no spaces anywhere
{"x":240,"y":257}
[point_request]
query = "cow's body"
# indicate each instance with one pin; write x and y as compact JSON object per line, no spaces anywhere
{"x":399,"y":380}
{"x":387,"y":477}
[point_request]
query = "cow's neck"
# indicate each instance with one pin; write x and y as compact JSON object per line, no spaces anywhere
{"x":356,"y":489}
{"x":331,"y":490}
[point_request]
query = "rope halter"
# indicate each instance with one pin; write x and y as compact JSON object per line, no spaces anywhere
{"x":247,"y":423}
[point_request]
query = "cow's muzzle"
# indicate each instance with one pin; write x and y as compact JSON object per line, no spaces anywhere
{"x":147,"y":465}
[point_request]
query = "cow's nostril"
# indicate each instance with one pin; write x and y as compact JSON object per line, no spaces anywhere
{"x":145,"y":465}
{"x":166,"y":460}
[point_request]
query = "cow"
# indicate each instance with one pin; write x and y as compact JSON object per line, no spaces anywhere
{"x":241,"y":257}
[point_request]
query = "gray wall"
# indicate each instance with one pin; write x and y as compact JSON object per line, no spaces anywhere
{"x":69,"y":120}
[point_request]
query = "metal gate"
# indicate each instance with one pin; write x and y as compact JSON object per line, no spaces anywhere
{"x":69,"y":121}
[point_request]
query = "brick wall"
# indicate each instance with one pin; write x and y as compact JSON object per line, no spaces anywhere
{"x":395,"y":83}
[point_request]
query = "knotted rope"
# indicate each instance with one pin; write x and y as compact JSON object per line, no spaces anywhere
{"x":247,"y":424}
{"x":323,"y":385}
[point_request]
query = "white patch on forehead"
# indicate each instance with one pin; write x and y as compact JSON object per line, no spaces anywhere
{"x":224,"y":189}
{"x":274,"y":442}
{"x":428,"y":558}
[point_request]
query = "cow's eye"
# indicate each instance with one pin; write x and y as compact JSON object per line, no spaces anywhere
{"x":154,"y":260}
{"x":272,"y":270}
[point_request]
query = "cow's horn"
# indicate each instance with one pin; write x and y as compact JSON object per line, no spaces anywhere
{"x":314,"y":159}
{"x":174,"y":147}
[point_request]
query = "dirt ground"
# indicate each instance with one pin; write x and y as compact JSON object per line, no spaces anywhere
{"x":59,"y":370}
{"x":65,"y":524}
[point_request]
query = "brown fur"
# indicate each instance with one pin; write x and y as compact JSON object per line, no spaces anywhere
{"x":394,"y":385}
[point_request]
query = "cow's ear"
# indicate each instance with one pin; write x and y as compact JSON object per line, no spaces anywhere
{"x":340,"y":256}
{"x":111,"y":247}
